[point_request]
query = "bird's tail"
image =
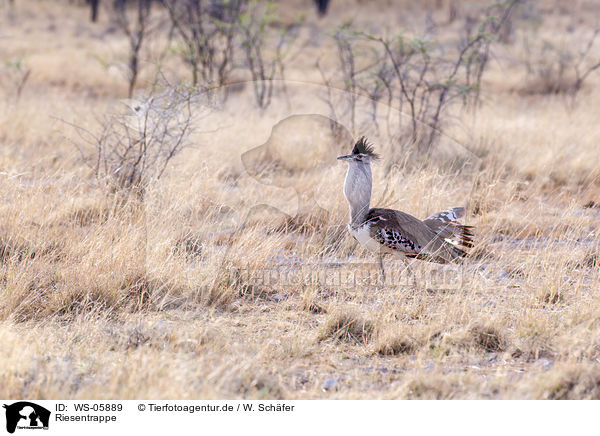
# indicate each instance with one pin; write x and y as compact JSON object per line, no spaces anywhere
{"x":458,"y":238}
{"x":459,"y":235}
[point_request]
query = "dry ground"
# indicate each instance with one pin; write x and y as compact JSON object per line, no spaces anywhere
{"x":185,"y":295}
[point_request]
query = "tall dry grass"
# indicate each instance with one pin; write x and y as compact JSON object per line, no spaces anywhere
{"x":235,"y":277}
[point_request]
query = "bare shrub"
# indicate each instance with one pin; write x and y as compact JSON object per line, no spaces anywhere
{"x":135,"y":146}
{"x":137,"y":31}
{"x":559,"y":68}
{"x":207,"y":30}
{"x":419,"y":76}
{"x":259,"y":27}
{"x":426,"y":82}
{"x":496,"y":24}
{"x":15,"y":76}
{"x":343,"y":39}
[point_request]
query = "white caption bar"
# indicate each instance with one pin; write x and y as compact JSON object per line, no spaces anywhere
{"x":149,"y":417}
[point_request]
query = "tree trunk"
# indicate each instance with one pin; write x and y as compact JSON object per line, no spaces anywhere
{"x":94,"y":6}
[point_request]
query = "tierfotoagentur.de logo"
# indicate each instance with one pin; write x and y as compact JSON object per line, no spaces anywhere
{"x":25,"y":415}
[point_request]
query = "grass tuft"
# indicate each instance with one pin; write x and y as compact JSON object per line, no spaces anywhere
{"x":396,"y":346}
{"x":488,"y":338}
{"x":347,"y":326}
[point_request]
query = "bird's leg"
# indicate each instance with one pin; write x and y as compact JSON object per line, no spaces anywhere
{"x":381,"y":269}
{"x":410,"y":271}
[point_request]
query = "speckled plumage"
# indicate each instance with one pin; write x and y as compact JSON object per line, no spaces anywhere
{"x":395,"y":240}
{"x":399,"y":232}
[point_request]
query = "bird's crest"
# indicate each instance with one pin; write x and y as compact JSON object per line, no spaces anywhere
{"x":363,"y":148}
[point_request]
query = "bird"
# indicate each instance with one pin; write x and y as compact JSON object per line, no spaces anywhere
{"x":438,"y":238}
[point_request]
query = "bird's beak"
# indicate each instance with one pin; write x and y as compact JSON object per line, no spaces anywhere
{"x":345,"y":157}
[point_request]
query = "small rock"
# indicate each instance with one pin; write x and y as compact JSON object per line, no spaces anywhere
{"x":544,"y":364}
{"x":303,"y":379}
{"x":279,"y":297}
{"x":330,"y":384}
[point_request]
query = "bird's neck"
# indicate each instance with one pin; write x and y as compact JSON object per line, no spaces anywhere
{"x":357,"y":190}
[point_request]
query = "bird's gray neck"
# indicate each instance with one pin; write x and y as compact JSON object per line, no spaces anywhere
{"x":357,"y":189}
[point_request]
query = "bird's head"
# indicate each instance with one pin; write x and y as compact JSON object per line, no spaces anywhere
{"x":362,"y":152}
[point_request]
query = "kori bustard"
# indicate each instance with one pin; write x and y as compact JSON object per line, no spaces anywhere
{"x":438,"y":238}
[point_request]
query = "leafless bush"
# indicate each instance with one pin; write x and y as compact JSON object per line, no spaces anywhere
{"x":344,"y":39}
{"x":136,"y":30}
{"x":419,"y":76}
{"x":207,"y":30}
{"x":560,"y":68}
{"x":135,"y":147}
{"x":15,"y":76}
{"x":495,"y":23}
{"x":423,"y":82}
{"x":256,"y":33}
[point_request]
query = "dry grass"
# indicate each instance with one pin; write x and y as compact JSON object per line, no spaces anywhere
{"x":347,"y":326}
{"x":235,"y":276}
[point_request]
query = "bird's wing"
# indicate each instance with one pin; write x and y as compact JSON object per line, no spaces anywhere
{"x":402,"y":232}
{"x":398,"y":230}
{"x":446,"y":216}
